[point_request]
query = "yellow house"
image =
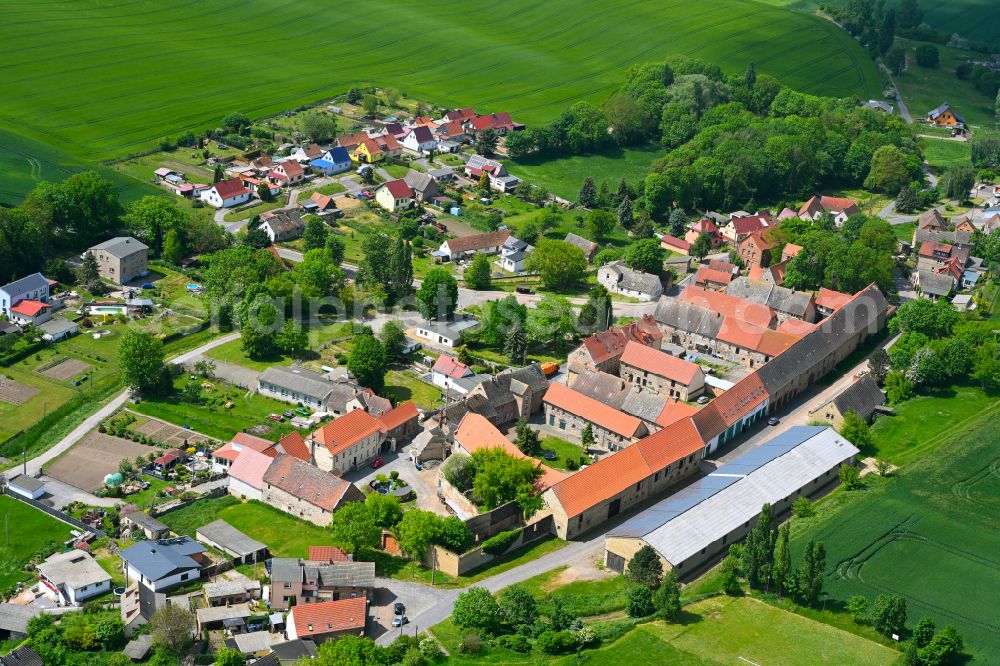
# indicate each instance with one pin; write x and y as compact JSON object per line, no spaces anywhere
{"x":368,"y":152}
{"x":944,"y":116}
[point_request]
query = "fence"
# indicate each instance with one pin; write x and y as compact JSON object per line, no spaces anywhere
{"x":55,"y":513}
{"x":455,"y":564}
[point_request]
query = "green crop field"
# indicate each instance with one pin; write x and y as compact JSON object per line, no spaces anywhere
{"x":87,"y":77}
{"x":28,"y":531}
{"x":930,"y":534}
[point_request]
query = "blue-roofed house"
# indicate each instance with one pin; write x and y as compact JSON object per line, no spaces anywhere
{"x":336,"y":160}
{"x":693,"y":526}
{"x":166,"y":563}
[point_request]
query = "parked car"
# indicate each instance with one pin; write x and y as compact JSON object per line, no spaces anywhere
{"x":703,"y":400}
{"x":400,"y":620}
{"x":378,"y":462}
{"x":523,"y":289}
{"x":773,"y":421}
{"x":275,"y":417}
{"x":288,"y":415}
{"x":399,"y":608}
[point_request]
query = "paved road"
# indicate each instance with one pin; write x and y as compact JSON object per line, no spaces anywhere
{"x":900,"y":102}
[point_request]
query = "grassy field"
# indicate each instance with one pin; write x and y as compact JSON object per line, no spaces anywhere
{"x":928,"y":533}
{"x":401,"y":386}
{"x":284,"y":535}
{"x":563,"y":176}
{"x":110,"y":94}
{"x":564,"y":451}
{"x":921,"y":424}
{"x":942,"y":153}
{"x":211,"y":418}
{"x":28,"y":531}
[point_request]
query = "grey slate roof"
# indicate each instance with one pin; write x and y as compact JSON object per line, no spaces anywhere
{"x":58,"y":326}
{"x":633,"y":280}
{"x":73,"y":568}
{"x":27,"y":483}
{"x":449,"y":329}
{"x":294,"y":649}
{"x":22,"y":656}
{"x":781,"y":299}
{"x":954,"y":237}
{"x":644,"y":405}
{"x":15,"y":618}
{"x":688,"y":317}
{"x":935,"y":284}
{"x":862,"y":397}
{"x":158,"y":559}
{"x":139,"y":648}
{"x":229,"y":538}
{"x":229,"y":588}
{"x":589,"y":247}
{"x":309,"y":383}
{"x":421,"y":182}
{"x":146,"y":521}
{"x":602,"y":387}
{"x":285,"y":570}
{"x":31,"y":282}
{"x":343,"y":574}
{"x":121,"y":246}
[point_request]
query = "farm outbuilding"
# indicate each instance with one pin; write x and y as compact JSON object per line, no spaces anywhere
{"x":694,"y":525}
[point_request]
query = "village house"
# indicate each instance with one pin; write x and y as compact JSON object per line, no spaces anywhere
{"x":475,"y":432}
{"x":863,"y":397}
{"x":445,"y":333}
{"x":419,"y":140}
{"x":675,"y":245}
{"x":350,"y":142}
{"x":451,"y":131}
{"x":840,"y":208}
{"x":246,"y":474}
{"x":312,"y":389}
{"x":368,"y":151}
{"x":300,"y":489}
{"x":618,"y":482}
{"x":224,"y":457}
{"x":705,"y":226}
{"x":785,"y":303}
{"x":14,"y":623}
{"x":227,"y":539}
{"x":465,"y":247}
{"x":712,"y":279}
{"x":134,"y":519}
{"x":501,"y":123}
{"x":589,"y":247}
{"x":495,"y":171}
{"x":657,"y":372}
{"x":388,"y":145}
{"x":288,"y":173}
{"x":510,"y":395}
{"x":755,"y":250}
{"x":933,"y":284}
{"x":164,"y":564}
{"x":121,"y":259}
{"x":231,"y":592}
{"x":226,"y":194}
{"x":828,"y":301}
{"x":326,"y":620}
{"x":423,"y":186}
{"x":72,"y":577}
{"x":742,"y":224}
{"x":932,"y":256}
{"x":945,"y":116}
{"x":451,"y":374}
{"x":602,"y":351}
{"x":347,"y":442}
{"x":331,"y":162}
{"x":306,"y":153}
{"x":400,"y":423}
{"x":281,"y":226}
{"x":620,"y":279}
{"x":513,"y":255}
{"x":568,"y":412}
{"x":729,"y":305}
{"x":26,"y":300}
{"x":395,"y":195}
{"x":296,"y":582}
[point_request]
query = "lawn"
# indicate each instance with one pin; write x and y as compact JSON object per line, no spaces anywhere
{"x":28,"y":531}
{"x":563,"y":176}
{"x":244,"y":213}
{"x":232,"y":351}
{"x":285,"y":535}
{"x":929,"y":532}
{"x":329,"y":188}
{"x":565,"y":451}
{"x":922,"y":423}
{"x":210,"y":417}
{"x":401,"y":386}
{"x":943,"y":153}
{"x":583,"y":598}
{"x":110,"y":96}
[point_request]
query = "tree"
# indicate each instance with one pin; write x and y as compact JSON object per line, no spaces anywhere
{"x":173,"y":249}
{"x":417,"y":531}
{"x":639,"y":602}
{"x":810,"y":577}
{"x":368,"y":363}
{"x":476,"y":609}
{"x":527,"y":439}
{"x":750,"y":76}
{"x":857,"y":607}
{"x":625,"y":213}
{"x":878,"y":365}
{"x":587,"y":437}
{"x":256,"y":238}
{"x":89,"y":274}
{"x":927,"y":56}
{"x":597,"y":313}
{"x":601,"y":223}
{"x":923,"y":631}
{"x":959,"y":179}
{"x":856,"y":431}
{"x":478,"y":274}
{"x":150,"y":219}
{"x":229,"y":657}
{"x":645,"y":568}
{"x":909,"y":14}
{"x":889,"y":614}
{"x":140,"y":359}
{"x":890,"y":170}
{"x":517,"y":607}
{"x":236,"y":121}
{"x":758,"y":552}
{"x":943,"y":649}
{"x":264,"y":192}
{"x":587,"y":197}
{"x":908,"y":200}
{"x":702,"y":245}
{"x":887,"y":31}
{"x":438,"y":295}
{"x":486,"y":142}
{"x":803,"y":508}
{"x":645,"y":255}
{"x":850,"y":477}
{"x":895,"y":59}
{"x":350,"y":650}
{"x":353,"y":527}
{"x":516,"y":344}
{"x":172,"y":626}
{"x":219,"y":174}
{"x":335,"y":248}
{"x":678,"y":222}
{"x":667,"y":598}
{"x":383,"y":510}
{"x":499,"y":477}
{"x":551,"y":320}
{"x":393,"y":338}
{"x":401,"y":270}
{"x":319,"y":126}
{"x":292,"y":339}
{"x":898,"y":387}
{"x":560,"y":265}
{"x":484,"y":184}
{"x":782,"y":568}
{"x":314,"y":236}
{"x":370,"y":104}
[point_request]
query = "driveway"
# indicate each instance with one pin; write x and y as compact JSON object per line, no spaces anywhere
{"x":237,"y":375}
{"x":423,"y":482}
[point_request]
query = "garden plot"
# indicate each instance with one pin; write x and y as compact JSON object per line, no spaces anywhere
{"x":169,"y":434}
{"x":87,"y":463}
{"x":15,"y":392}
{"x":66,"y":369}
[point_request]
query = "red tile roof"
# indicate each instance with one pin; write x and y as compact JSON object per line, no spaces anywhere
{"x":475,"y":432}
{"x":250,"y":467}
{"x":706,"y":275}
{"x":399,"y":189}
{"x":791,"y":250}
{"x":291,"y":168}
{"x":730,"y":306}
{"x":327,"y":554}
{"x":295,"y":445}
{"x":479,"y":241}
{"x":29,"y":308}
{"x":749,"y":224}
{"x":659,"y":363}
{"x":704,"y":226}
{"x":451,"y":367}
{"x":756,"y":338}
{"x":398,"y":416}
{"x":592,"y":410}
{"x":731,"y":406}
{"x":672,"y":242}
{"x":326,"y":617}
{"x":720,"y":265}
{"x":604,"y":345}
{"x":227,"y":189}
{"x":674,"y":411}
{"x":795,"y":327}
{"x":615,"y":473}
{"x":306,"y":482}
{"x":346,"y":431}
{"x":831,"y":300}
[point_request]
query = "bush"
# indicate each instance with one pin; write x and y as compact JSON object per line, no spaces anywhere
{"x":927,"y":56}
{"x":639,"y":602}
{"x":514,"y":642}
{"x":803,"y":508}
{"x":471,"y":644}
{"x":556,"y":642}
{"x":499,"y":544}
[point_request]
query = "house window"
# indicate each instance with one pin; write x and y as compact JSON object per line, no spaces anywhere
{"x":287,"y":586}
